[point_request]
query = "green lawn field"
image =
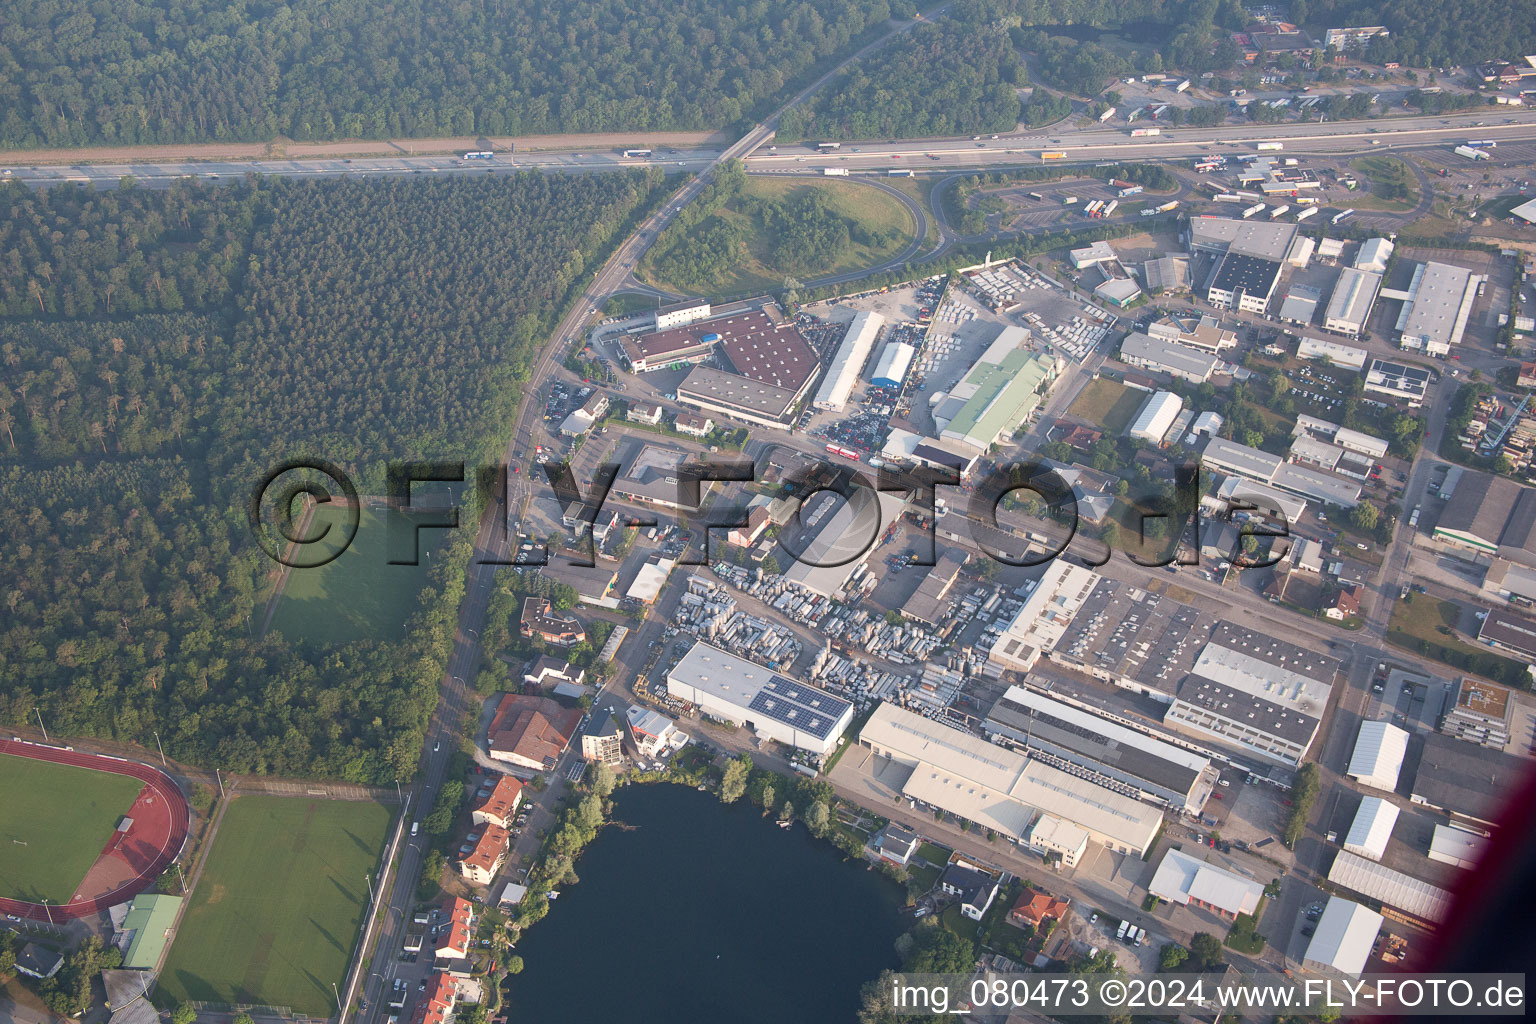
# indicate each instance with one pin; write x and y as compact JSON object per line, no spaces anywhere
{"x":55,"y":820}
{"x":1108,"y":405}
{"x":280,"y":904}
{"x":359,"y":595}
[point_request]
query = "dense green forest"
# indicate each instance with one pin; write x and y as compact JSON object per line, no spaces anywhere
{"x":74,"y":73}
{"x":955,"y":76}
{"x":1431,"y":35}
{"x":359,"y":322}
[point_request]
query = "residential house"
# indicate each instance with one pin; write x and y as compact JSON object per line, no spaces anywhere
{"x":458,"y":929}
{"x":557,"y":628}
{"x":500,"y":806}
{"x":489,"y":854}
{"x":1034,"y":908}
{"x":693,"y":424}
{"x":1344,"y":603}
{"x":436,"y":1006}
{"x":976,"y":888}
{"x":653,"y":733}
{"x":644,"y":412}
{"x":38,"y":962}
{"x":896,"y":844}
{"x":531,"y":732}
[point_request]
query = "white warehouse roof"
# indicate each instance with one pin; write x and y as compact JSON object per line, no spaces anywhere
{"x":1378,"y":756}
{"x":1393,"y":888}
{"x":1372,"y":828}
{"x":1456,"y":847}
{"x":849,"y":360}
{"x":1181,"y":878}
{"x":894,"y":362}
{"x":1156,"y":416}
{"x":1345,"y":934}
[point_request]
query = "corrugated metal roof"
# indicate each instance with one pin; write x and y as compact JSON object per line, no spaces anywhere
{"x":1372,"y":828}
{"x":1378,"y":756}
{"x":1408,"y":894}
{"x":1344,"y":936}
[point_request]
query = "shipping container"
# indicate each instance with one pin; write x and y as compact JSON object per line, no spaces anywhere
{"x":1304,"y":214}
{"x":1265,"y":146}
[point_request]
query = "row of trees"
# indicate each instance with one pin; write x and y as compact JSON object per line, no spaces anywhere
{"x":366,"y":322}
{"x":198,"y":70}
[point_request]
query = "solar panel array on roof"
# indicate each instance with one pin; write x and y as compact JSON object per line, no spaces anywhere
{"x":795,"y":704}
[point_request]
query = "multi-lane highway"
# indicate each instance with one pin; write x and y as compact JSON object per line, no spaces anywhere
{"x":1078,"y":144}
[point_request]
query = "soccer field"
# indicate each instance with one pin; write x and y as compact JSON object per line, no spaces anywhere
{"x":278,"y":908}
{"x":358,"y":595}
{"x":55,"y":820}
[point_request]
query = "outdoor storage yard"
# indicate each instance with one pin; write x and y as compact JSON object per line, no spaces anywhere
{"x":280,"y":904}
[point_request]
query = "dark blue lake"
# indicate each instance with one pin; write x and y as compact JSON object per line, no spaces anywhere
{"x":706,"y":912}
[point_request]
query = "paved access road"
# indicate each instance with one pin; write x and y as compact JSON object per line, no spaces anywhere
{"x":1078,"y":144}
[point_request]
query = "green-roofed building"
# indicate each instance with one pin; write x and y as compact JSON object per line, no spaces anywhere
{"x":148,"y":926}
{"x":1000,"y":392}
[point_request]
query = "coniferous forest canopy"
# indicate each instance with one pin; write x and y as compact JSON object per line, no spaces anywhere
{"x":161,"y":350}
{"x":87,"y":72}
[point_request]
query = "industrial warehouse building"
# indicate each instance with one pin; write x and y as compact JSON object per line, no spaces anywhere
{"x":1003,"y":790}
{"x":1160,"y":356}
{"x":1372,"y":828}
{"x":1240,"y":460}
{"x":892,"y":366}
{"x":1349,"y":308}
{"x":858,"y":342}
{"x":1464,"y":780}
{"x":775,"y":707}
{"x":1491,"y":516}
{"x":1156,"y":416}
{"x":1397,"y":380}
{"x":1439,"y":304}
{"x":1186,"y":880}
{"x":1004,"y":386}
{"x":737,"y":397}
{"x":1410,"y":895}
{"x":1103,"y":751}
{"x":1457,"y":847}
{"x":1339,"y":355}
{"x":1243,"y":282}
{"x":1378,"y":756}
{"x":1264,"y":695}
{"x":839,"y":537}
{"x":1344,"y":937}
{"x":1042,"y":620}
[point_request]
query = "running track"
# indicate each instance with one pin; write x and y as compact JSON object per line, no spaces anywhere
{"x":160,"y":822}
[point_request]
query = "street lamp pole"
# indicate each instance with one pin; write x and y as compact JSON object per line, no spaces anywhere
{"x":161,"y":749}
{"x":220,"y":779}
{"x":337,"y":995}
{"x":40,"y":724}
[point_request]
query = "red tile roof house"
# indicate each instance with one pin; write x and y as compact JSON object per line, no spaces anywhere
{"x":531,"y":732}
{"x":500,"y":807}
{"x":1034,"y":907}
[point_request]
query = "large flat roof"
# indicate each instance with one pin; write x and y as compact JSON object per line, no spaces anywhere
{"x":755,"y":690}
{"x":1344,"y":937}
{"x":1116,"y":746}
{"x":1246,"y":709}
{"x":1464,"y":778}
{"x":1312,"y":483}
{"x":1441,"y":301}
{"x":1251,"y":275}
{"x":981,"y":781}
{"x":1167,"y":353}
{"x":737,"y":392}
{"x":1266,"y":240}
{"x":1353,"y":295}
{"x":841,"y":536}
